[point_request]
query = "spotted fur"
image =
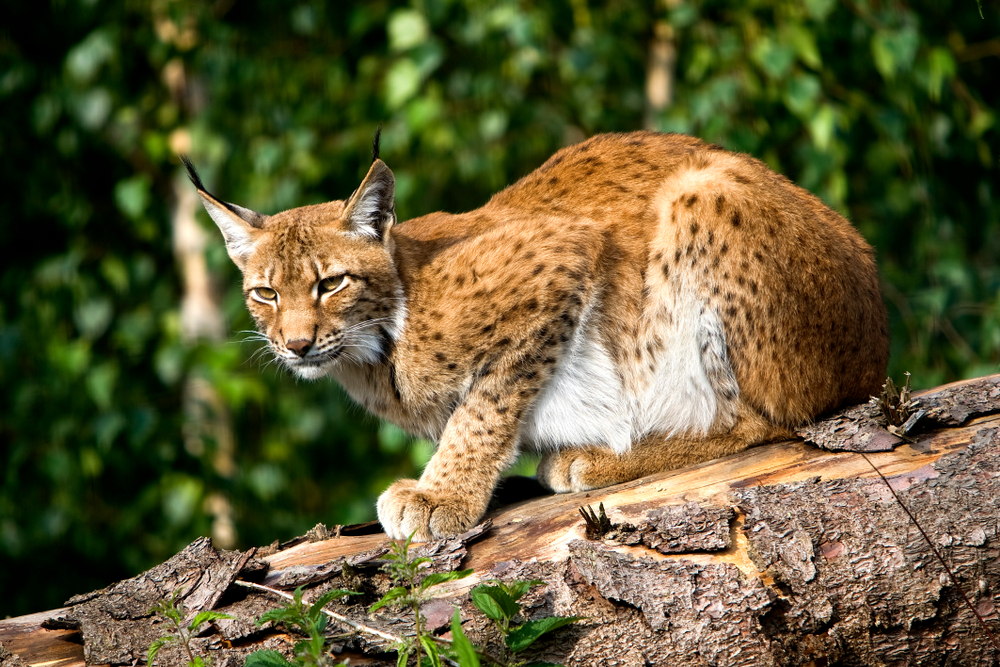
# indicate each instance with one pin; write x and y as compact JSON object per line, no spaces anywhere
{"x":640,"y":302}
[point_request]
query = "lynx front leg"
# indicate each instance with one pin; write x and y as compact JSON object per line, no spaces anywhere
{"x":522,"y":350}
{"x":585,"y":468}
{"x":478,"y":444}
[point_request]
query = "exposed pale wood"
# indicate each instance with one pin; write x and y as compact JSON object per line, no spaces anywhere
{"x":317,"y":553}
{"x":25,"y":637}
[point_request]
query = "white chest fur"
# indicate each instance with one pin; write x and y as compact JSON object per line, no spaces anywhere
{"x":676,"y":389}
{"x":583,"y":403}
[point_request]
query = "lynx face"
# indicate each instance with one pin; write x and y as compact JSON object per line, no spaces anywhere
{"x":319,"y":280}
{"x":319,"y":308}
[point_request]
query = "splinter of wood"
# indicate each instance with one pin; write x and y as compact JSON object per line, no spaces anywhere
{"x":598,"y":523}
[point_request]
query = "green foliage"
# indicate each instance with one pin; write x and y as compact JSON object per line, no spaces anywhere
{"x":172,"y":610}
{"x":266,"y":659}
{"x":498,"y":600}
{"x":411,"y":590}
{"x":306,"y":619}
{"x":887,"y":110}
{"x":495,"y":603}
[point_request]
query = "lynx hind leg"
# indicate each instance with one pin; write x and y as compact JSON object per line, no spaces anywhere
{"x":585,"y":468}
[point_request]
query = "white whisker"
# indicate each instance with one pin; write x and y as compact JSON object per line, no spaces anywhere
{"x":366,"y":323}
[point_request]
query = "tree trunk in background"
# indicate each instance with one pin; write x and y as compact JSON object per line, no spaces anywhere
{"x":207,"y":422}
{"x":660,"y":69}
{"x":206,"y":417}
{"x":786,"y":554}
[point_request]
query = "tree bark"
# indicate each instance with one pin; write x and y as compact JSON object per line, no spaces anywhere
{"x":785,"y":554}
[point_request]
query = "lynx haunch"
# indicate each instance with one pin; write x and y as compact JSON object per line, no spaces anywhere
{"x":638,"y":303}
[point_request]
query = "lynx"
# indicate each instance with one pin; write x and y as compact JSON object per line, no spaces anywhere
{"x":638,"y":303}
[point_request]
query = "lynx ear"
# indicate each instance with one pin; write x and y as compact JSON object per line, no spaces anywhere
{"x":371,"y":210}
{"x":240,"y":226}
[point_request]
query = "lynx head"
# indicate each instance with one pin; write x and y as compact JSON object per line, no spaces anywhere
{"x":319,"y":280}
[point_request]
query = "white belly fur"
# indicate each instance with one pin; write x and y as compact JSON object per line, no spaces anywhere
{"x":589,"y":401}
{"x":583,"y":403}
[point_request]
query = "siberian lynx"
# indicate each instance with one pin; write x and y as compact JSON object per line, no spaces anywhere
{"x":640,"y":302}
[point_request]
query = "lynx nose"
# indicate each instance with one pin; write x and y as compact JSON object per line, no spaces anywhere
{"x":300,"y":346}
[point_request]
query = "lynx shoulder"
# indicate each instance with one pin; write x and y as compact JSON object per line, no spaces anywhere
{"x":639,"y":302}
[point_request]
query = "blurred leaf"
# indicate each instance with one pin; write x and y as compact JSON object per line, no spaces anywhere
{"x":407,"y":28}
{"x":801,"y":94}
{"x":115,"y":272}
{"x":180,"y":498}
{"x":401,"y":82}
{"x":132,"y":196}
{"x":942,"y":68}
{"x":822,"y":125}
{"x":266,"y":480}
{"x":492,"y":125}
{"x":421,"y":451}
{"x":303,"y":19}
{"x":93,"y":107}
{"x":774,"y":58}
{"x":93,"y":316}
{"x":101,"y":382}
{"x":819,"y":9}
{"x":85,"y":59}
{"x":893,"y":50}
{"x":803,"y":41}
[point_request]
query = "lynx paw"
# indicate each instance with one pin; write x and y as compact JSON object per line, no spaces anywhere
{"x":571,"y":470}
{"x":406,"y":507}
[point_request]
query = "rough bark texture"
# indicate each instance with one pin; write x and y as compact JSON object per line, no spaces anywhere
{"x":854,"y":579}
{"x":861,"y":428}
{"x":782,"y":555}
{"x":8,"y":659}
{"x":117,"y":623}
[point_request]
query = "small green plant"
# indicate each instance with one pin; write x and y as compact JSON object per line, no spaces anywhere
{"x":411,"y":590}
{"x":172,"y":610}
{"x":308,"y":619}
{"x":499,"y":602}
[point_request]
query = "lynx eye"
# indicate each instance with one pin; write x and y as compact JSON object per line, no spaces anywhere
{"x":332,"y":285}
{"x":265,"y":293}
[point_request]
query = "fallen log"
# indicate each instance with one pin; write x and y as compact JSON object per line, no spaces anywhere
{"x":786,"y":554}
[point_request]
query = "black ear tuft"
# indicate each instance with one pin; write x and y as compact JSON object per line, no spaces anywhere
{"x":250,"y":217}
{"x":378,"y":136}
{"x":192,"y":173}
